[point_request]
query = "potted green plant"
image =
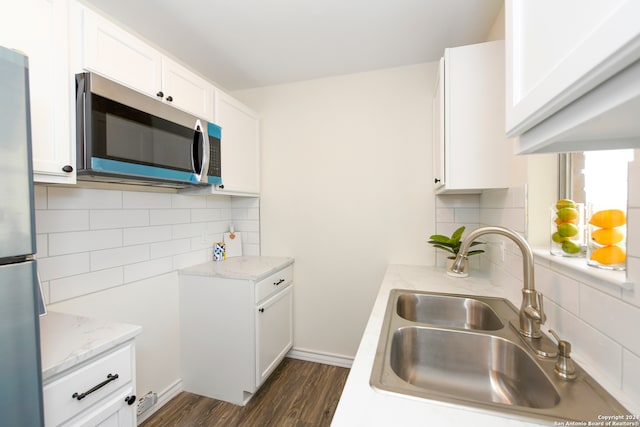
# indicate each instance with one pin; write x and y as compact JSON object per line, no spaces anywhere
{"x":452,"y":245}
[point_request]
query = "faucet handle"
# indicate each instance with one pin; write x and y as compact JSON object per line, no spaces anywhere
{"x":543,"y":316}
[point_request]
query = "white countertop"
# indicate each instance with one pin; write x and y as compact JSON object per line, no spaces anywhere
{"x":242,"y":267}
{"x":67,"y":340}
{"x":361,"y":405}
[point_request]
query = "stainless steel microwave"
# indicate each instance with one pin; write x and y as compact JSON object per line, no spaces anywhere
{"x":127,"y":137}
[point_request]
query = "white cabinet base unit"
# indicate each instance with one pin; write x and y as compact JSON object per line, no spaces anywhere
{"x":235,"y":325}
{"x":471,"y":152}
{"x":88,"y":371}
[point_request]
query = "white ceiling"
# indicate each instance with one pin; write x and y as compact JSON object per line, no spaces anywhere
{"x":242,"y":44}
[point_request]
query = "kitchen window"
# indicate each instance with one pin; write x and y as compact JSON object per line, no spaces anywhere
{"x":595,"y":177}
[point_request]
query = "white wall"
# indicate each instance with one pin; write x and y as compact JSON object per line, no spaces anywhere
{"x":113,"y":254}
{"x":346,"y":166}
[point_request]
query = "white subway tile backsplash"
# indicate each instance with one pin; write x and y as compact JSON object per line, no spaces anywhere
{"x":591,"y":345}
{"x":143,"y":270}
{"x":245,"y":202}
{"x":169,"y":248}
{"x":445,"y":214}
{"x":559,"y":289}
{"x":42,"y":245}
{"x":90,"y":240}
{"x":83,"y":241}
{"x":109,"y":258}
{"x":250,"y":250}
{"x":251,"y":238}
{"x":83,"y":198}
{"x":39,"y":197}
{"x":467,"y":215}
{"x":103,"y":219}
{"x":64,"y":265}
{"x":614,"y":317}
{"x":512,"y":218}
{"x":458,"y":201}
{"x":631,"y":377}
{"x":145,"y":200}
{"x":209,"y":214}
{"x":137,"y":235}
{"x":218,"y":202}
{"x":82,"y":284}
{"x":50,"y":221}
{"x":169,"y":216}
{"x":246,"y":225}
{"x":181,"y":231}
{"x":192,"y":258}
{"x":632,"y":295}
{"x":253,"y":214}
{"x":181,"y":201}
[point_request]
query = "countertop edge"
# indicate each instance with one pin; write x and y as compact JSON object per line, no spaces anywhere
{"x":253,"y":268}
{"x":68,"y":340}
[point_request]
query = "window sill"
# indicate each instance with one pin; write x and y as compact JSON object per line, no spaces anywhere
{"x":578,"y":268}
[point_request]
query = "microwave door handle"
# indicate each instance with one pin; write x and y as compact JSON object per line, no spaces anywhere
{"x":200,"y":137}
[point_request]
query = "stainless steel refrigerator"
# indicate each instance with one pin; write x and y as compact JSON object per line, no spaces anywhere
{"x":20,"y":371}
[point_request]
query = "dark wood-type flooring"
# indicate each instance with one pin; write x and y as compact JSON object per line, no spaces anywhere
{"x":297,"y":394}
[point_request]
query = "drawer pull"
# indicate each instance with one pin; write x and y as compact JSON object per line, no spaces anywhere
{"x":81,"y":396}
{"x":278,"y":282}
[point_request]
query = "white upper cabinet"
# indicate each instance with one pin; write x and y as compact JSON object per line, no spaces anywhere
{"x":471,"y":152}
{"x":39,"y":29}
{"x":115,"y":53}
{"x":573,"y":76}
{"x":240,"y":145}
{"x":185,"y":90}
{"x":111,"y":51}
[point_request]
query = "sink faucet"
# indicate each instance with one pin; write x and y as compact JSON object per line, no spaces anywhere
{"x":531,"y":311}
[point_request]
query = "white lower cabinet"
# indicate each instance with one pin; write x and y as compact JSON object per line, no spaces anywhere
{"x":234,"y":332}
{"x":99,"y":392}
{"x":273,"y":333}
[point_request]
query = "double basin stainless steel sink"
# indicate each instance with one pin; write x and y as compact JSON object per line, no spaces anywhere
{"x":464,"y":349}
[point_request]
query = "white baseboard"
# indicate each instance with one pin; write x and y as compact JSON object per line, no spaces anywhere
{"x":163,"y":397}
{"x":325,"y":358}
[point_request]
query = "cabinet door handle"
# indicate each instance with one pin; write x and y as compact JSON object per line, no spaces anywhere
{"x":437,"y":180}
{"x":81,"y":396}
{"x":261,"y":310}
{"x":278,"y":282}
{"x":169,"y":98}
{"x":130,"y":399}
{"x":67,"y":168}
{"x":160,"y":94}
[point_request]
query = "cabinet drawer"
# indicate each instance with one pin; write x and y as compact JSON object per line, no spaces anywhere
{"x":59,"y":401}
{"x":274,"y":283}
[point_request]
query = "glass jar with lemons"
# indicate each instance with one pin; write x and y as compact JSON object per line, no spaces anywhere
{"x":567,"y":228}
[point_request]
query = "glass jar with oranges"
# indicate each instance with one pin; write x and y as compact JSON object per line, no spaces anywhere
{"x":606,"y":246}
